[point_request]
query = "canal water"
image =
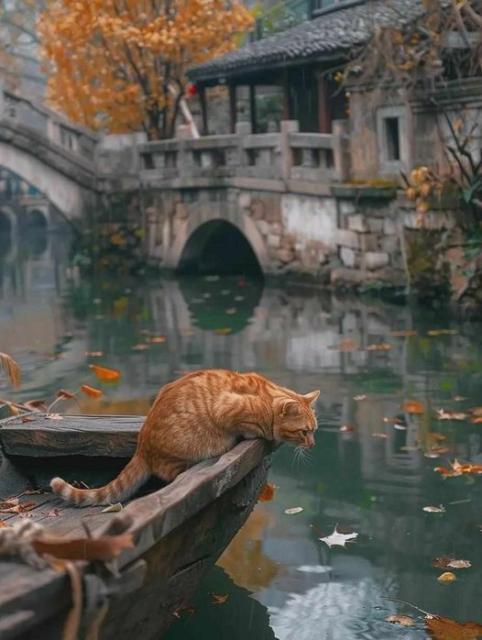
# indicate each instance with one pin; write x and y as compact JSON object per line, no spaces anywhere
{"x":383,"y":370}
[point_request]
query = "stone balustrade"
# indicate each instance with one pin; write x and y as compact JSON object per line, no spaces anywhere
{"x":282,"y":157}
{"x":22,"y":112}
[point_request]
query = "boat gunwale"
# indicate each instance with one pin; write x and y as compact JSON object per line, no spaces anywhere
{"x":149,"y":518}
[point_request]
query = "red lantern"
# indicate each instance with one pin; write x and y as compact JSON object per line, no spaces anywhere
{"x":191,"y":90}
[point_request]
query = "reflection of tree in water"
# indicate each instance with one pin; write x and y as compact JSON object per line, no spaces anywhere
{"x":244,"y":560}
{"x":223,"y":304}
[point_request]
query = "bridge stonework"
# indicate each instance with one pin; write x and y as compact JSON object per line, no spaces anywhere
{"x":53,"y":156}
{"x":328,"y":239}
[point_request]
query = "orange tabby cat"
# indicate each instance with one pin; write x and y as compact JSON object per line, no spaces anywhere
{"x":199,"y":416}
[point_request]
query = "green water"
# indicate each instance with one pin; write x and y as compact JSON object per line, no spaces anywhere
{"x":281,"y":580}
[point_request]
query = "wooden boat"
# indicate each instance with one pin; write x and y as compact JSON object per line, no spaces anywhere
{"x":179,"y":529}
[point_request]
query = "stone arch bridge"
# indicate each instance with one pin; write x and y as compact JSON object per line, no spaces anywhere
{"x":272,"y":203}
{"x":46,"y":162}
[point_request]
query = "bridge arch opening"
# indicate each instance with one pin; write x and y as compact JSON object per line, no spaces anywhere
{"x":5,"y":233}
{"x":219,"y":247}
{"x":5,"y":224}
{"x":37,"y":220}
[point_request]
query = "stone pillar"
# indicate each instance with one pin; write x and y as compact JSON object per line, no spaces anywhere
{"x":341,"y":149}
{"x":242,"y":129}
{"x":287,"y":127}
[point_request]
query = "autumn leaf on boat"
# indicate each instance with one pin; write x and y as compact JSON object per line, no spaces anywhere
{"x":65,"y":395}
{"x":103,"y":548}
{"x":13,"y":505}
{"x":105,"y":374}
{"x":219,"y":599}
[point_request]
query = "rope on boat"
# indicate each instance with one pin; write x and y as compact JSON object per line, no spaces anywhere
{"x":89,"y":594}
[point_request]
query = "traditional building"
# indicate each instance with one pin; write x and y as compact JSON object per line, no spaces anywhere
{"x":389,"y":130}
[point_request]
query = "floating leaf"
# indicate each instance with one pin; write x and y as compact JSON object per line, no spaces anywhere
{"x":157,"y":339}
{"x":92,"y":392}
{"x":140,"y":347}
{"x":11,"y":369}
{"x":94,"y":354}
{"x":219,"y":599}
{"x":407,"y":333}
{"x":105,"y":374}
{"x":346,"y":428}
{"x":451,"y":415}
{"x":360,"y":397}
{"x":267,"y":492}
{"x":337,"y":539}
{"x":431,"y":509}
{"x":113,"y":508}
{"x":405,"y":621}
{"x":444,"y":562}
{"x":413,"y":406}
{"x":382,"y":346}
{"x":293,"y":511}
{"x":346,"y":345}
{"x":447,"y":577}
{"x":446,"y":629}
{"x":379,"y":435}
{"x":442,"y":332}
{"x":459,"y":469}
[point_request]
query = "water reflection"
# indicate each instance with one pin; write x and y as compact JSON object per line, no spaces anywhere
{"x":372,"y":477}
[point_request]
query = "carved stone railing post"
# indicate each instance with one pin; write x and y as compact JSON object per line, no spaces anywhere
{"x":287,"y":127}
{"x":341,"y":149}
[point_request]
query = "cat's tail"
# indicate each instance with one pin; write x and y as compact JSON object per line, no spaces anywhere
{"x":127,"y":482}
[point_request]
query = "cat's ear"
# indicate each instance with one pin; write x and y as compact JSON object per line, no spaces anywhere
{"x":290,"y":408}
{"x":312,"y":396}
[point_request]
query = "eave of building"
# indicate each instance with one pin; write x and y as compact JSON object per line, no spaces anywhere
{"x":326,"y":37}
{"x":273,"y":73}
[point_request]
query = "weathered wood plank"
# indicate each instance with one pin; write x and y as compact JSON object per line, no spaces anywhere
{"x":154,"y":516}
{"x":112,"y":436}
{"x":150,"y":518}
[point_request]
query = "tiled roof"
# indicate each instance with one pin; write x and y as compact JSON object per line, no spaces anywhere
{"x":324,"y":36}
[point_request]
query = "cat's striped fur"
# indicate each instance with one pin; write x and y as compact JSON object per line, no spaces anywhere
{"x":199,"y":416}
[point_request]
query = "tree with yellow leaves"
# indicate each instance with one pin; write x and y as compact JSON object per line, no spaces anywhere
{"x":119,"y":65}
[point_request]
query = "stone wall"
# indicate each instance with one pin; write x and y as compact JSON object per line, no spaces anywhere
{"x":357,"y":238}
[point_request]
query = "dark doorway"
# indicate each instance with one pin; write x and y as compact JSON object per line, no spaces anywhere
{"x":218,"y":247}
{"x":5,"y":234}
{"x":36,"y":220}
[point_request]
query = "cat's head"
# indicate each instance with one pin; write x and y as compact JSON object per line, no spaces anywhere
{"x":295,"y":420}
